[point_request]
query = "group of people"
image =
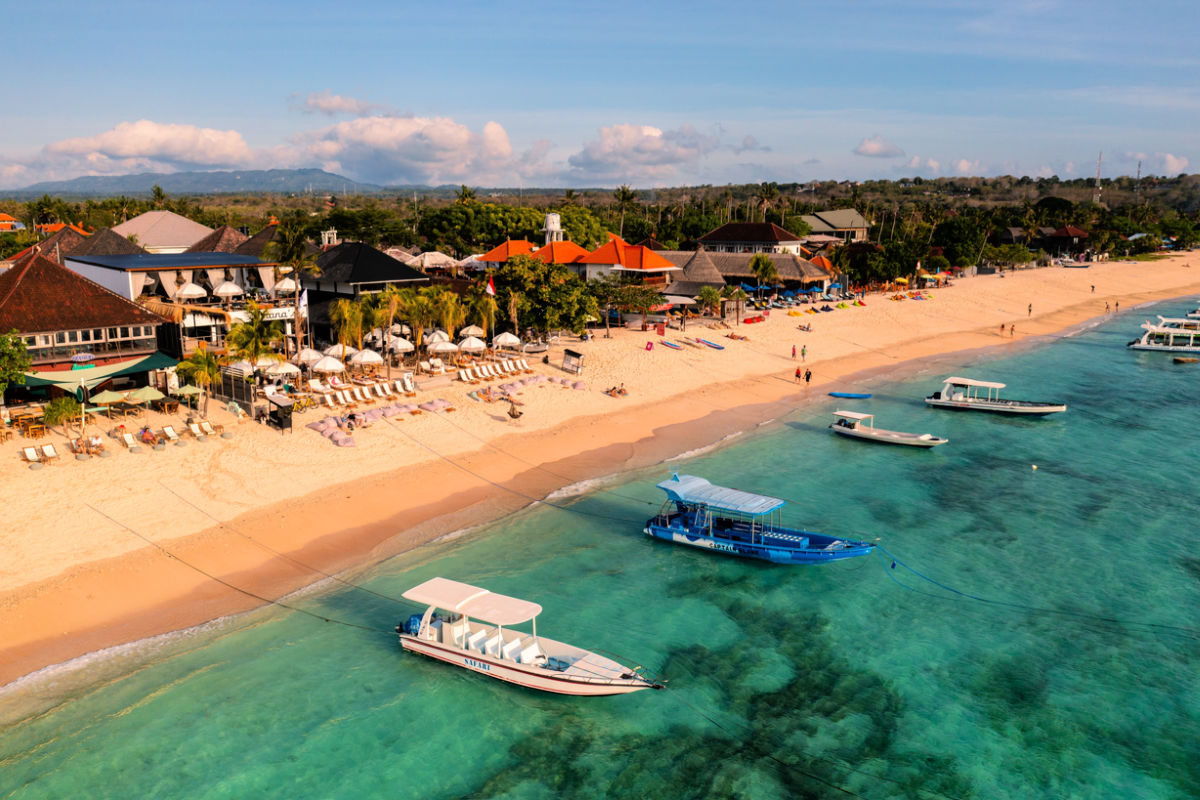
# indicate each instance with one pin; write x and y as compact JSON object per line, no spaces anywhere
{"x":803,"y":375}
{"x":616,"y":391}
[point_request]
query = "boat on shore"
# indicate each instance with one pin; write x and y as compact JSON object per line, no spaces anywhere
{"x":862,"y":426}
{"x":1167,"y":339}
{"x":851,"y":395}
{"x":698,"y":514}
{"x":964,"y":394}
{"x":469,"y":627}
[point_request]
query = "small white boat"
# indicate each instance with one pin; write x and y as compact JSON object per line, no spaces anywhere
{"x":471,"y":633}
{"x":1171,"y":339}
{"x":963,"y":394}
{"x":862,"y":426}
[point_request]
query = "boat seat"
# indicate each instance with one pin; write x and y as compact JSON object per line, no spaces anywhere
{"x":475,"y":640}
{"x":510,"y":649}
{"x":492,"y":646}
{"x":454,"y":633}
{"x":532,"y":654}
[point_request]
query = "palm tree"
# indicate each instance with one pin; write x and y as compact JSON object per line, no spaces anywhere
{"x":202,"y":368}
{"x":709,"y":298}
{"x":391,"y":300}
{"x":738,"y":295}
{"x":764,"y":270}
{"x":626,"y":199}
{"x":450,"y":312}
{"x":465,"y":194}
{"x":420,"y":312}
{"x":289,"y":249}
{"x":767,"y":195}
{"x":484,"y":308}
{"x":347,"y":318}
{"x":255,"y":338}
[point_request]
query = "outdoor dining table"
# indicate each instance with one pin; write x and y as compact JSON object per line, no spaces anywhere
{"x":167,"y":406}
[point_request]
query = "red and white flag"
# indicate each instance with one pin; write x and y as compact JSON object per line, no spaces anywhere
{"x":491,"y":287}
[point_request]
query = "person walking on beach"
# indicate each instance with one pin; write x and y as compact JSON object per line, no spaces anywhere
{"x":1001,"y":328}
{"x":1107,"y":308}
{"x":807,"y":376}
{"x":1031,"y":309}
{"x":793,"y":352}
{"x":1118,"y":309}
{"x":804,"y":352}
{"x":1012,"y":330}
{"x":1093,"y":288}
{"x":799,"y":375}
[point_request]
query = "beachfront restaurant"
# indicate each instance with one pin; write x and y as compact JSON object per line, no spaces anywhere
{"x":199,"y":295}
{"x":79,"y":335}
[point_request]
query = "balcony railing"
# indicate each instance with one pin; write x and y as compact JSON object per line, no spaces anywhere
{"x":120,"y":349}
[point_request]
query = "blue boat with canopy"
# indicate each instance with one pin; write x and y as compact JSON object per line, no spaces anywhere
{"x":738,"y":523}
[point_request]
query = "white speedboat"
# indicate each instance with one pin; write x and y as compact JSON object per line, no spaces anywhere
{"x":1178,"y":323}
{"x":1168,"y":339}
{"x":862,"y":426}
{"x":965,"y":394}
{"x":472,"y":631}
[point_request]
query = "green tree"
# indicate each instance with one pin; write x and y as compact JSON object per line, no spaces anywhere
{"x":709,"y":299}
{"x":255,"y":338}
{"x":642,"y":299}
{"x":347,"y":318}
{"x":450,"y":312}
{"x":547,"y":296}
{"x":738,"y":295}
{"x":391,"y":302}
{"x":609,"y":291}
{"x":15,"y":361}
{"x":764,"y":270}
{"x":626,"y":200}
{"x":64,"y":409}
{"x":483,"y":307}
{"x":767,"y":195}
{"x":420,"y":311}
{"x":465,"y":194}
{"x":289,"y":250}
{"x":961,"y":239}
{"x":203,"y":368}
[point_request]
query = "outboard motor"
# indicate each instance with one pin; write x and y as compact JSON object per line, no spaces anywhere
{"x":412,"y":625}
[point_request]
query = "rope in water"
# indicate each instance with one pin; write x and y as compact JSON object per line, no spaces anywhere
{"x":1171,"y":630}
{"x":223,"y":582}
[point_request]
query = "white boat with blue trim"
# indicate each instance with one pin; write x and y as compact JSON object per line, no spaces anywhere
{"x":1169,"y":335}
{"x":862,"y":426}
{"x":736,"y":523}
{"x":967,"y":394}
{"x":472,"y":630}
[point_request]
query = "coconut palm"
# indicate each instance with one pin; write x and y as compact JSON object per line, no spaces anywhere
{"x":347,"y":318}
{"x":738,"y":295}
{"x":255,"y":338}
{"x":289,"y":249}
{"x":767,"y":194}
{"x":420,"y":311}
{"x":63,"y":409}
{"x":203,"y":368}
{"x":764,"y":270}
{"x":450,"y":312}
{"x":626,"y":199}
{"x":483,"y":310}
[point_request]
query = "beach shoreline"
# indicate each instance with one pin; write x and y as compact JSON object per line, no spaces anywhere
{"x":276,"y":548}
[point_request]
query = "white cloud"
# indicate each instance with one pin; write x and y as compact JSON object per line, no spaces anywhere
{"x":750,"y":144}
{"x":966,"y":167}
{"x":1172,"y":164}
{"x":639,"y":153}
{"x":326,"y":102}
{"x":929,"y":164}
{"x":154,"y":142}
{"x":878,"y":147}
{"x":390,"y":149}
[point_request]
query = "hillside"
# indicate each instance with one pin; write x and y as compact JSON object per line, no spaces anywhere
{"x":274,"y":181}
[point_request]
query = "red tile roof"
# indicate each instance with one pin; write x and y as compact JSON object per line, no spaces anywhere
{"x":39,"y":295}
{"x":749,"y":232}
{"x":7,"y":217}
{"x":1071,"y":231}
{"x":822,"y":262}
{"x":630,"y":256}
{"x":55,"y":227}
{"x":559,"y":253}
{"x":503,"y":252}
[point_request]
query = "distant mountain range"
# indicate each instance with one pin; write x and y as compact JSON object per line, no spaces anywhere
{"x":257,"y":181}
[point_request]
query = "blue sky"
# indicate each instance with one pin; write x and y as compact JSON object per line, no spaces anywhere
{"x":645,"y":93}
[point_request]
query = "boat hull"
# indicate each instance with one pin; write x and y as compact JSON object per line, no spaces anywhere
{"x":1166,"y":348}
{"x":888,"y":437}
{"x":776,"y":552}
{"x":529,"y":676}
{"x":851,"y":395}
{"x":1017,"y":408}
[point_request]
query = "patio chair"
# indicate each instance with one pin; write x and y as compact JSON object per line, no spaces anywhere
{"x":423,"y":366}
{"x":385,"y":390}
{"x":410,"y":388}
{"x":379,"y":389}
{"x":315,"y":385}
{"x":465,"y":376}
{"x":49,"y":452}
{"x":327,"y":401}
{"x":210,"y":429}
{"x":130,"y":443}
{"x":524,"y":365}
{"x":439,"y":368}
{"x":197,"y":431}
{"x":32,"y":456}
{"x":170,"y":434}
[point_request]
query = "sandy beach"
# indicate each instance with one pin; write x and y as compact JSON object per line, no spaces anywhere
{"x":86,"y":543}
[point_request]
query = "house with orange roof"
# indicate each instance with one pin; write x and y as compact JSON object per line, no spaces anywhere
{"x":640,"y":263}
{"x":47,"y":228}
{"x":559,"y":252}
{"x":9,"y":223}
{"x":503,"y":252}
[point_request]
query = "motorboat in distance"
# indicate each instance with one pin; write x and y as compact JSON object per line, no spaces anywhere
{"x":862,"y":426}
{"x":1181,"y":335}
{"x":736,"y":523}
{"x":472,"y":631}
{"x":965,"y":394}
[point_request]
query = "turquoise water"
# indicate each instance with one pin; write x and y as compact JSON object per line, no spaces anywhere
{"x":783,"y":682}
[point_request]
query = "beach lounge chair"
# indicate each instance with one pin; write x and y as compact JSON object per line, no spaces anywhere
{"x":315,"y":385}
{"x":170,"y":434}
{"x":49,"y":452}
{"x":31,"y":455}
{"x":379,"y":389}
{"x":524,"y":365}
{"x":209,"y":428}
{"x":327,"y":401}
{"x":465,"y":376}
{"x":488,"y":372}
{"x":130,"y":443}
{"x":423,"y":366}
{"x":385,"y":390}
{"x":410,"y":388}
{"x":196,"y":431}
{"x":438,"y":368}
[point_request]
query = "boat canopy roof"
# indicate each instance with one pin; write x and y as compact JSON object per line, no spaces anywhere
{"x":852,"y":415}
{"x":697,"y":491}
{"x":970,"y":382}
{"x":472,"y":601}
